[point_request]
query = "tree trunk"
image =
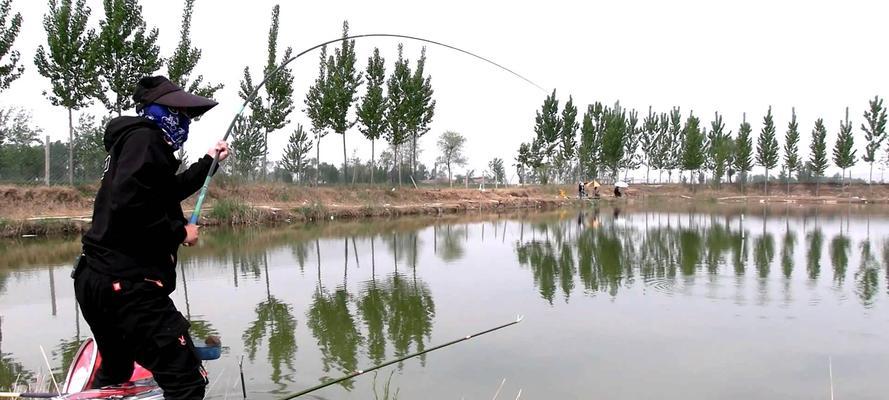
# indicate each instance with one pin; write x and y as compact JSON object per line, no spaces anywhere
{"x":766,"y":185}
{"x":344,"y":157}
{"x":317,"y":159}
{"x":373,"y":168}
{"x":71,"y":147}
{"x":414,"y":154}
{"x":647,"y":171}
{"x":843,"y":181}
{"x":450,"y":181}
{"x":399,"y":163}
{"x":870,"y":185}
{"x":787,"y":177}
{"x":265,"y":155}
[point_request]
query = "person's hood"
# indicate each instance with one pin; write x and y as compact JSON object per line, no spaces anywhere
{"x":120,"y":126}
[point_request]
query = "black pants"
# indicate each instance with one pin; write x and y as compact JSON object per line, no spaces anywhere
{"x":137,"y":321}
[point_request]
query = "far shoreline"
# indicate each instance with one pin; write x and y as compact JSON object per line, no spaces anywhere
{"x":66,"y":210}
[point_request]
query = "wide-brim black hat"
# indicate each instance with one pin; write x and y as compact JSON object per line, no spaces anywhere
{"x":159,"y":90}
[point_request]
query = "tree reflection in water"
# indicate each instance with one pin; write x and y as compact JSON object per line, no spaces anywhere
{"x":605,"y":254}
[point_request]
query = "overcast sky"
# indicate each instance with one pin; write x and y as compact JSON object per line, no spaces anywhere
{"x":734,"y":57}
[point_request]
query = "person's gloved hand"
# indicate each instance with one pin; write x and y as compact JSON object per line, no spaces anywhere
{"x":220,"y":148}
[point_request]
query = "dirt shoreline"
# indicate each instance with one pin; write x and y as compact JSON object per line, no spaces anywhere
{"x":51,"y":211}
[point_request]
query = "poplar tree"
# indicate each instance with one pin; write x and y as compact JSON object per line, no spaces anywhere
{"x":568,"y":134}
{"x":818,"y":153}
{"x":692,"y":146}
{"x":631,"y":143}
{"x":791,"y":148}
{"x":295,"y":155}
{"x":744,"y":150}
{"x":649,"y":140}
{"x":185,"y":59}
{"x":421,"y":106}
{"x":589,"y":145}
{"x":10,"y":70}
{"x":844,"y":150}
{"x":372,"y":111}
{"x":548,"y":127}
{"x":397,"y":106}
{"x":318,"y":107}
{"x":66,"y":63}
{"x":672,"y":147}
{"x":183,"y":62}
{"x":659,"y":161}
{"x":767,"y":147}
{"x":874,"y":133}
{"x":123,"y":52}
{"x":342,"y":86}
{"x":272,"y":110}
{"x":613,"y":139}
{"x":720,"y":148}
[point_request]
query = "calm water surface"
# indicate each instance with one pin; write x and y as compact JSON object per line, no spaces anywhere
{"x":619,"y":304}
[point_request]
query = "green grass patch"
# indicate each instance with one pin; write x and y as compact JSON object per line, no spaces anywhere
{"x":312,"y":211}
{"x":232,"y":211}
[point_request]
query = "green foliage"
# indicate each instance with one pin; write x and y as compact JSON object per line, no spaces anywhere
{"x":372,"y":111}
{"x":11,"y":70}
{"x":421,"y":106}
{"x":89,"y":148}
{"x":874,"y":131}
{"x":297,"y":151}
{"x":791,"y":146}
{"x":247,"y":146}
{"x":744,"y":148}
{"x":844,"y":150}
{"x":693,"y":155}
{"x":123,"y":53}
{"x":65,"y":60}
{"x":185,"y":58}
{"x":721,"y":148}
{"x":342,"y":85}
{"x":673,"y":147}
{"x":631,"y":139}
{"x":590,"y":141}
{"x":498,"y":173}
{"x":649,"y":141}
{"x":818,"y":149}
{"x":270,"y":112}
{"x":568,"y":133}
{"x":613,"y":139}
{"x":21,"y":155}
{"x":548,"y":125}
{"x":767,"y":144}
{"x":230,"y":211}
{"x":398,"y":106}
{"x":451,"y":145}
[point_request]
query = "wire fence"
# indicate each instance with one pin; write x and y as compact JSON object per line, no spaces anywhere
{"x":47,"y":163}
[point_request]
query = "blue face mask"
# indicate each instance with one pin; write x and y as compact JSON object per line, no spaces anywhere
{"x":174,"y":124}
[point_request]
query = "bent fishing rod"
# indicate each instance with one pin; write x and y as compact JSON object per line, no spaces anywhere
{"x":398,"y":360}
{"x":195,"y":215}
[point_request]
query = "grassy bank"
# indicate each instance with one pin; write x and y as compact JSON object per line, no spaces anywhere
{"x":45,"y":211}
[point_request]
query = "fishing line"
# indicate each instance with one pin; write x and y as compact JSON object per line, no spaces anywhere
{"x":398,"y":360}
{"x":195,"y":216}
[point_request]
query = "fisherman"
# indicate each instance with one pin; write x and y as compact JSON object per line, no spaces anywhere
{"x":127,"y":271}
{"x":617,"y":192}
{"x":581,"y":192}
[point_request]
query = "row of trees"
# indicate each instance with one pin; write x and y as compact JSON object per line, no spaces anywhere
{"x":86,"y":64}
{"x":612,"y":140}
{"x":397,"y":108}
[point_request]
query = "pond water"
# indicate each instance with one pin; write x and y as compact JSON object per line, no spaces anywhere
{"x":730,"y":303}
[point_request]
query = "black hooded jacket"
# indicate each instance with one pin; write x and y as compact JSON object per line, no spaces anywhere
{"x":138,"y":222}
